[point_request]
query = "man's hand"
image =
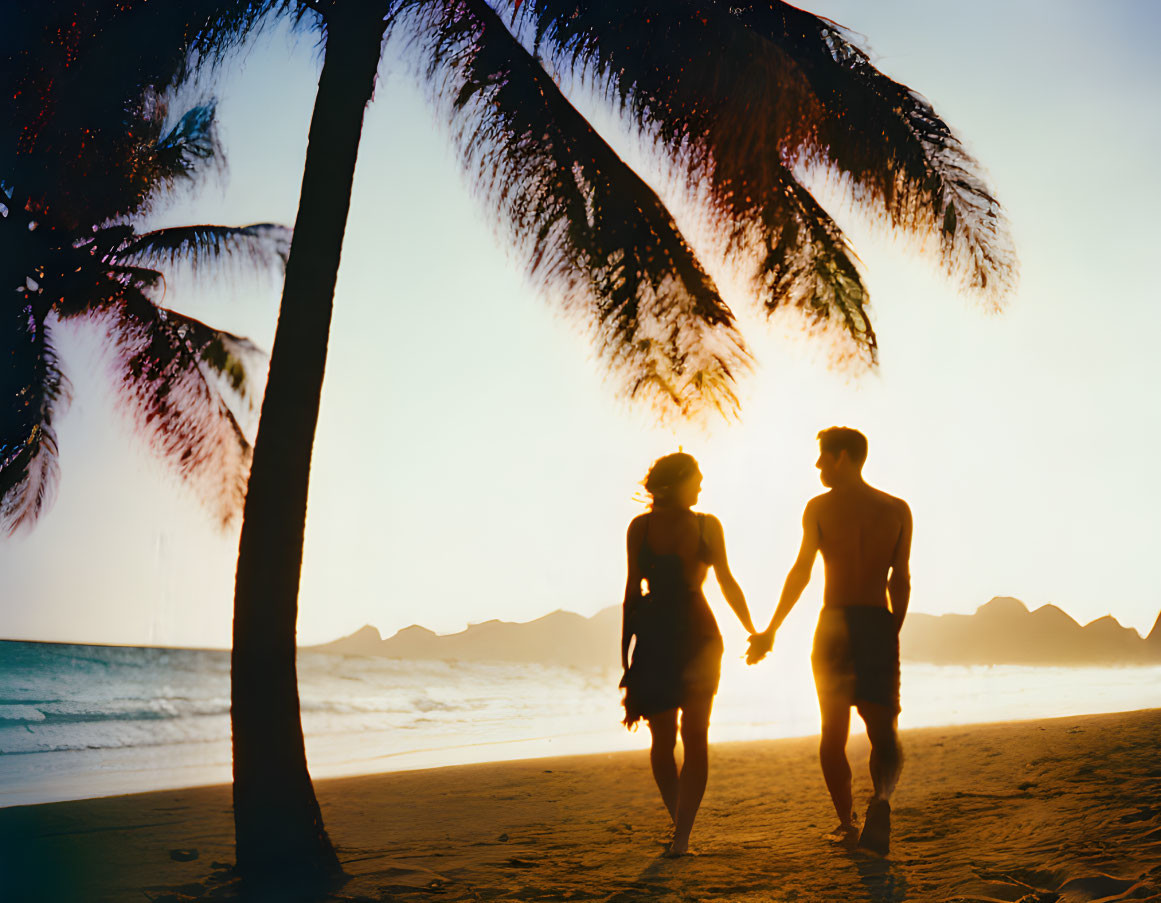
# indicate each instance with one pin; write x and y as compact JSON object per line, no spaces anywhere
{"x":760,"y":646}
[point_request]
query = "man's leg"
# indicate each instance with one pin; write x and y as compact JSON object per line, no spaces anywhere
{"x":694,"y":770}
{"x":663,"y":728}
{"x":832,"y":754}
{"x":886,"y":753}
{"x":886,"y":763}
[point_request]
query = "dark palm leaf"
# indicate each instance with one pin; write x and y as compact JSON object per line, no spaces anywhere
{"x":735,"y":114}
{"x":231,"y":363}
{"x":588,"y":226}
{"x":220,"y":26}
{"x":259,"y":244}
{"x":153,"y":154}
{"x":171,"y":370}
{"x":32,"y":391}
{"x":76,"y":277}
{"x":890,"y":145}
{"x":187,"y":148}
{"x":809,"y":267}
{"x":187,"y":384}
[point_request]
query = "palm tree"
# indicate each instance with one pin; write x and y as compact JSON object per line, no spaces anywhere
{"x":183,"y":381}
{"x":279,"y":832}
{"x":81,"y":158}
{"x":79,"y":165}
{"x":740,"y":98}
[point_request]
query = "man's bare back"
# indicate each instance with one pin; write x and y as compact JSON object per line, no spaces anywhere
{"x":861,"y":532}
{"x":864,"y":536}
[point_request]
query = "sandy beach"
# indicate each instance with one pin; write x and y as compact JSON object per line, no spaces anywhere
{"x":1060,"y":810}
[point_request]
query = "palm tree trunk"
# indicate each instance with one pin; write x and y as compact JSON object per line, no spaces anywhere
{"x":278,"y":827}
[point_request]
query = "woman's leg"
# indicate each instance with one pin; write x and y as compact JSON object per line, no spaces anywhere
{"x":663,"y":727}
{"x":694,"y":769}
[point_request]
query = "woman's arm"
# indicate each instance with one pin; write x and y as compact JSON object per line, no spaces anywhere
{"x":716,"y":540}
{"x":633,"y":540}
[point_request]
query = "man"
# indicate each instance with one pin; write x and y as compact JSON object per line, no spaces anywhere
{"x":864,"y":536}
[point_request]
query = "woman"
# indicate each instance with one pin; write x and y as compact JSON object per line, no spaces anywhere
{"x":677,"y":655}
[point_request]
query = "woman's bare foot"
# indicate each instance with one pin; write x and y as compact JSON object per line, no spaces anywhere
{"x":846,"y":833}
{"x":679,"y":846}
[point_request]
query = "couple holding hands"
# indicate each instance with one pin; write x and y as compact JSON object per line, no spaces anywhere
{"x":671,"y":648}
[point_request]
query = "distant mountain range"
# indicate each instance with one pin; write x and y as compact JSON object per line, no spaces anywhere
{"x":1005,"y":632}
{"x":1002,"y":632}
{"x":561,"y":638}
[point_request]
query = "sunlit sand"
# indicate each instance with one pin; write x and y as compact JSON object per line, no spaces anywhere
{"x":1063,"y":809}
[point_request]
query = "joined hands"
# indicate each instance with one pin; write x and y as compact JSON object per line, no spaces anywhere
{"x":760,"y":646}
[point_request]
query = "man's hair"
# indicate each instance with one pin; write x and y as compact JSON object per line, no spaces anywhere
{"x":842,"y":438}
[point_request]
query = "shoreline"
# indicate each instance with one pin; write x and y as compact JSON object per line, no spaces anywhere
{"x":981,"y":810}
{"x":119,"y":771}
{"x":121,"y":763}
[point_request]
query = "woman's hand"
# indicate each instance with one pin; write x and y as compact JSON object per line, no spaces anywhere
{"x":760,"y":646}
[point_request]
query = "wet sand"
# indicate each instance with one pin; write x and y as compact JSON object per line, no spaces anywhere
{"x":1060,"y":811}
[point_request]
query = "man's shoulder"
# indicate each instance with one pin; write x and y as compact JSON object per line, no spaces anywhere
{"x":892,"y":500}
{"x":900,"y":506}
{"x":818,"y":503}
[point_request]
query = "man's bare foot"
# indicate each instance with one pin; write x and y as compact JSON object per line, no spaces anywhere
{"x":876,"y":835}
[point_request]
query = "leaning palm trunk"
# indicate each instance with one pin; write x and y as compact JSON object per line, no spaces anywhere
{"x":279,"y":829}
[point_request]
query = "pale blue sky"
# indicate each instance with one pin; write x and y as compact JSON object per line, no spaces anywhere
{"x":471,"y":464}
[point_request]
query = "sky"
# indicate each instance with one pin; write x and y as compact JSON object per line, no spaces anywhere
{"x":472,"y":463}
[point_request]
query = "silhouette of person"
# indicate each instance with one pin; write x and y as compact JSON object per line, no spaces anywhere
{"x":676,"y":645}
{"x":864,"y":536}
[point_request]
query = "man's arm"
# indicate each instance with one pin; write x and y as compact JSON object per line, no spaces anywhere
{"x":796,"y":581}
{"x":799,"y":576}
{"x":899,"y":581}
{"x":716,"y":540}
{"x":633,"y":540}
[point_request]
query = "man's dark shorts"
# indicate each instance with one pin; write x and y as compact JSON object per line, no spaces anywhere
{"x":856,"y":656}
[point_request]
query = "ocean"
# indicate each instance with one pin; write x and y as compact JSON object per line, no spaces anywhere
{"x":85,"y":721}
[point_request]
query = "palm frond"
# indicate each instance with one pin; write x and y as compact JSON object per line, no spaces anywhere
{"x":890,"y":146}
{"x":232,"y":363}
{"x":261,"y":244}
{"x":808,"y":267}
{"x":76,"y":279}
{"x":588,"y":227}
{"x":219,"y":27}
{"x":89,"y":99}
{"x":734,"y":114}
{"x":167,"y":368}
{"x":188,"y":145}
{"x":33,"y":391}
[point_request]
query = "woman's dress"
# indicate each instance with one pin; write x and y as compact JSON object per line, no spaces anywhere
{"x":677,"y":657}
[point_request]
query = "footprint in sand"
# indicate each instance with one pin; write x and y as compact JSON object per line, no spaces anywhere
{"x":1145,"y":813}
{"x":1096,"y":887}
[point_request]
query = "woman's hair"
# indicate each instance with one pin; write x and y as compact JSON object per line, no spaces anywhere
{"x":668,"y":473}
